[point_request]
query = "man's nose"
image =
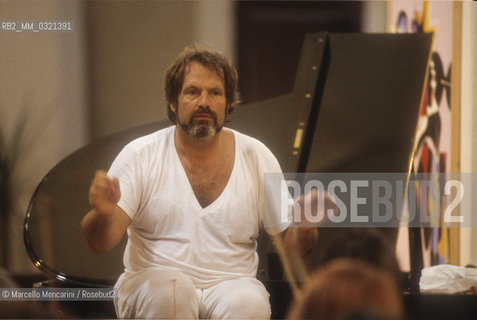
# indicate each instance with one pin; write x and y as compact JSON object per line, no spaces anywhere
{"x":204,"y":99}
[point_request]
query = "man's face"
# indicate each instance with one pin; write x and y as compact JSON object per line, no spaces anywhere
{"x":201,"y":103}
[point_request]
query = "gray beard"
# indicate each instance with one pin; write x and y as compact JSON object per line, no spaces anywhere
{"x":200,"y":131}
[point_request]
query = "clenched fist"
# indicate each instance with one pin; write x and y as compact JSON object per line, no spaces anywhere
{"x":104,"y":193}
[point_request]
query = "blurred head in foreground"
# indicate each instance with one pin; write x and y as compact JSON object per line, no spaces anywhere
{"x":365,"y":244}
{"x":348,"y":289}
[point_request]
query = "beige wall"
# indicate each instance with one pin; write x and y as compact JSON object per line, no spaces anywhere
{"x":468,"y":240}
{"x":41,"y":77}
{"x":374,"y":17}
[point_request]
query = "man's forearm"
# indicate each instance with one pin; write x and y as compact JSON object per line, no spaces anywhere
{"x":102,"y":233}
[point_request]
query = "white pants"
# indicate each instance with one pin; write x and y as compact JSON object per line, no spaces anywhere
{"x":161,"y":294}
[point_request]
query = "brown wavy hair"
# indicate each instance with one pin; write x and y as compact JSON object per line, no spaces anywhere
{"x":208,"y":58}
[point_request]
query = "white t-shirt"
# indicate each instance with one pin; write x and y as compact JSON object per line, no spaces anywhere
{"x":170,"y":229}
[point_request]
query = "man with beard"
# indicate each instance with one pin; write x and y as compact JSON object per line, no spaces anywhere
{"x":191,"y":198}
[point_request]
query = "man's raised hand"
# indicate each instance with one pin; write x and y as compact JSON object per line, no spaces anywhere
{"x":104,"y":193}
{"x":314,"y":209}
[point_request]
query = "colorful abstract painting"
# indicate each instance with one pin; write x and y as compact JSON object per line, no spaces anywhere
{"x":433,"y":137}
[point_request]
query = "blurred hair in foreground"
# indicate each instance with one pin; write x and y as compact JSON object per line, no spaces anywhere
{"x":349,"y":289}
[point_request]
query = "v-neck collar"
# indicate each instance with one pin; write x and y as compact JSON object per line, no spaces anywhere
{"x":211,"y":207}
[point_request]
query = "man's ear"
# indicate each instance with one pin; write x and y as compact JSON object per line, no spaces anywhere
{"x":173,"y":108}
